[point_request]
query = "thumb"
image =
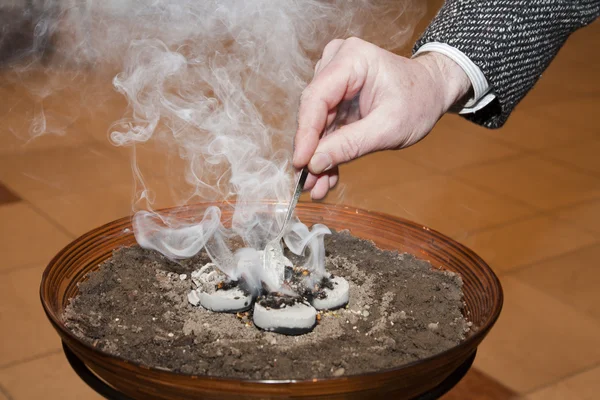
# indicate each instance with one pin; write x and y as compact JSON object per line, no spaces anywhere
{"x":346,"y":144}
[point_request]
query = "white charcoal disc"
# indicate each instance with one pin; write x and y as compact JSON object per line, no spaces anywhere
{"x":207,"y":280}
{"x":296,"y":319}
{"x":226,"y":300}
{"x":336,"y":297}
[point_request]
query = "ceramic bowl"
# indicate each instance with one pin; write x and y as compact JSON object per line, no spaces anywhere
{"x":482,"y":290}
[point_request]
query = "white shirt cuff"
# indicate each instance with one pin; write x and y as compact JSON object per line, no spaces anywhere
{"x":481,"y":88}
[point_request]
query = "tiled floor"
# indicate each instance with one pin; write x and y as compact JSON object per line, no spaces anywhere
{"x":526,"y":198}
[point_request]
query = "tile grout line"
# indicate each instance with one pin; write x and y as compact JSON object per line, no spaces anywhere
{"x":30,"y":359}
{"x":538,"y":210}
{"x":574,"y":204}
{"x":497,"y":382}
{"x":497,"y":194}
{"x":49,"y":219}
{"x":513,"y":274}
{"x":523,"y":267}
{"x":526,"y":153}
{"x":537,"y":107}
{"x":5,"y":393}
{"x":21,"y":267}
{"x":533,"y":215}
{"x":504,"y":142}
{"x":41,"y":213}
{"x":448,"y":172}
{"x":571,"y":224}
{"x":520,"y":152}
{"x":566,"y":164}
{"x":491,"y":227}
{"x":564,"y":378}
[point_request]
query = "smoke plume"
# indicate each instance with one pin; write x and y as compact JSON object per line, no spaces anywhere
{"x":216,"y":83}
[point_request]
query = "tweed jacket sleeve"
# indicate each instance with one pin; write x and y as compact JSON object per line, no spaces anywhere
{"x":511,"y":41}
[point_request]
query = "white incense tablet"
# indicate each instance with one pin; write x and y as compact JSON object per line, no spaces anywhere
{"x":296,"y":319}
{"x":335,"y":298}
{"x":229,"y":300}
{"x":207,"y":293}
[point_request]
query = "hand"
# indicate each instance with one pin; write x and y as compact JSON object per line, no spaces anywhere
{"x":398,"y":101}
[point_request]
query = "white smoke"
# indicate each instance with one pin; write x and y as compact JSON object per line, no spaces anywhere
{"x":218,"y":83}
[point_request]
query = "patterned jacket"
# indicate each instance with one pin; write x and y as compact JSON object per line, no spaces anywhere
{"x":511,"y":41}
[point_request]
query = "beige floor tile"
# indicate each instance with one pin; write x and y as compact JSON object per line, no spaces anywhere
{"x":583,"y":155}
{"x":537,"y":340}
{"x":508,"y":247}
{"x":575,"y":110}
{"x":570,"y":73}
{"x":25,"y":331}
{"x":477,"y":385}
{"x":454,"y":143}
{"x":586,"y":215}
{"x":80,"y":212}
{"x":60,"y":171}
{"x":380,"y":170}
{"x":47,"y":378}
{"x":572,"y":278}
{"x":360,"y":178}
{"x":18,"y":141}
{"x":583,"y":386}
{"x":569,"y":76}
{"x":27,"y":237}
{"x":538,"y":128}
{"x":444,"y":204}
{"x":553,"y":89}
{"x":535,"y":181}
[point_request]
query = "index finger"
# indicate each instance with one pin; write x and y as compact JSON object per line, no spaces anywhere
{"x":339,"y":80}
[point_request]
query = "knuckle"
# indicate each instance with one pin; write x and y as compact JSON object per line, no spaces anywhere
{"x":354,"y":41}
{"x":350,"y":149}
{"x":332,"y":45}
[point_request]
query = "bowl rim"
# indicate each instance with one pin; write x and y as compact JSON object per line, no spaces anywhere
{"x":475,"y":337}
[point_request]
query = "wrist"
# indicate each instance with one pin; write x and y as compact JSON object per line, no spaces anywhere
{"x":451,"y":82}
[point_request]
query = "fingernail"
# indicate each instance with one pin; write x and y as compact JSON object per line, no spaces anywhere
{"x":319,"y":162}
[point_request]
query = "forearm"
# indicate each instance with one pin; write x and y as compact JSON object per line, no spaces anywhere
{"x":512,"y":44}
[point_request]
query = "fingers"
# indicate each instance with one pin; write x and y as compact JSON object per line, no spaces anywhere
{"x":321,"y":188}
{"x":330,"y":50}
{"x":331,"y":116}
{"x":339,"y":80}
{"x":347,"y":143}
{"x":333,"y":179}
{"x":311,"y":180}
{"x":324,"y":183}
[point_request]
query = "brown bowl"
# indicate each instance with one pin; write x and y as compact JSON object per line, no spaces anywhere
{"x":482,"y":290}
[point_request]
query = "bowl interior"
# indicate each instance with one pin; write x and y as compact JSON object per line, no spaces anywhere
{"x":482,"y":290}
